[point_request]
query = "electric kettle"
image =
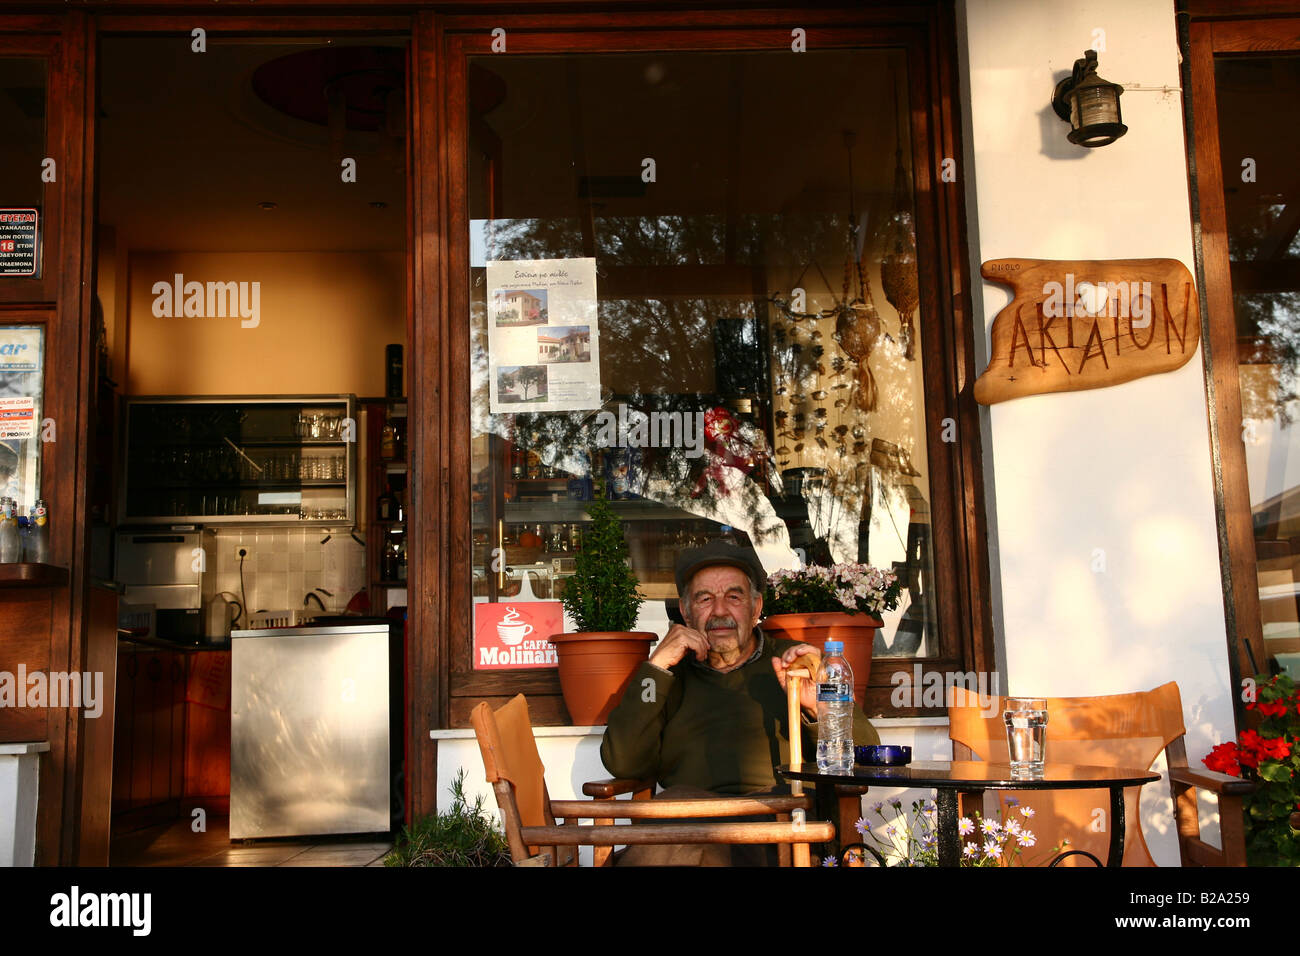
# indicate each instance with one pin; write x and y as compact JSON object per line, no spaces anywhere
{"x":218,"y":617}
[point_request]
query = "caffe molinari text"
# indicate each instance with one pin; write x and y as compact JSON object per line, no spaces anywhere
{"x":1076,"y":324}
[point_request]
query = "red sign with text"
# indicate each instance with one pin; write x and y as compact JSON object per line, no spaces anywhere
{"x":512,"y":635}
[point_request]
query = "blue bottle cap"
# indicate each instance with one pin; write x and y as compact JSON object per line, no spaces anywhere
{"x":834,"y":647}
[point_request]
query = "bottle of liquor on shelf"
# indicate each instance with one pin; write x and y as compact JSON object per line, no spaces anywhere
{"x":393,"y":371}
{"x":386,"y":506}
{"x":535,"y":469}
{"x":388,"y":439}
{"x":399,"y":438}
{"x":394,"y":566}
{"x":518,"y":461}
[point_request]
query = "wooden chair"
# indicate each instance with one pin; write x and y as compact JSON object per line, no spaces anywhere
{"x":515,"y":770}
{"x":1120,"y":730}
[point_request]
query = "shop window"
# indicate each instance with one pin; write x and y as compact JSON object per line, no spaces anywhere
{"x":710,"y":311}
{"x":1250,"y":213}
{"x":23,"y":217}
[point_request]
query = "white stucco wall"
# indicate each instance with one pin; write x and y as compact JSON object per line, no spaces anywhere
{"x":1123,"y":470}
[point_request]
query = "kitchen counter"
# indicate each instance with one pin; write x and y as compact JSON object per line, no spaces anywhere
{"x":161,"y":644}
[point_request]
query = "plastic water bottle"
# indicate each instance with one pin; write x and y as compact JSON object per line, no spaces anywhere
{"x":11,"y":544}
{"x":38,"y":540}
{"x":835,"y":711}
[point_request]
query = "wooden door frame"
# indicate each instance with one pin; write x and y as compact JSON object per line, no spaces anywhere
{"x":62,"y":298}
{"x":1202,"y":40}
{"x":440,"y":374}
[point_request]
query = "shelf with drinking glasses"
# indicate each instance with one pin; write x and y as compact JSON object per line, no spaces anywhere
{"x":237,"y":460}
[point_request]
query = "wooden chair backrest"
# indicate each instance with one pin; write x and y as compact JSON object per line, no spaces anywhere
{"x":1118,"y":730}
{"x":505,"y":738}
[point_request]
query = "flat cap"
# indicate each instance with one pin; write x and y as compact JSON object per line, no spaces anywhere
{"x":720,"y":552}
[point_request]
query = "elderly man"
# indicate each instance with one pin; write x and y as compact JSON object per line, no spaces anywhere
{"x":708,"y":710}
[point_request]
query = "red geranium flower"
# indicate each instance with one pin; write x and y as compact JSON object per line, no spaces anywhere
{"x":1255,"y":748}
{"x":1223,"y":759}
{"x":1276,"y":709}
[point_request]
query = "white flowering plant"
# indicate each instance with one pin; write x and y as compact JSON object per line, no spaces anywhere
{"x":899,"y":842}
{"x":843,"y":588}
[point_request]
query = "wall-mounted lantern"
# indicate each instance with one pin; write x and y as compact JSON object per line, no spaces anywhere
{"x":1089,"y":104}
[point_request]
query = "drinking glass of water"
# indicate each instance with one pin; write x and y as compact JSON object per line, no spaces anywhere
{"x":1026,"y":719}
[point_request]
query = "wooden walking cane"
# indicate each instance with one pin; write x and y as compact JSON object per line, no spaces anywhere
{"x":802,"y":855}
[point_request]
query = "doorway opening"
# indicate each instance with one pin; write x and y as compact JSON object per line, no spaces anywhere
{"x":249,"y":473}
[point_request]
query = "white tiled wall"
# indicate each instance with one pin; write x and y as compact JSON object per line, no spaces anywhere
{"x":284,"y":564}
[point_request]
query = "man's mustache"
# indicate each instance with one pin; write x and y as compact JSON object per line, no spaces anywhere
{"x":722,"y":624}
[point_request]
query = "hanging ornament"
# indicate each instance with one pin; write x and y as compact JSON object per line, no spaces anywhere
{"x":895,"y":241}
{"x":857,"y":324}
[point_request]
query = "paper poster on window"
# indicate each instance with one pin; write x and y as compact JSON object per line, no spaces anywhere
{"x":19,"y":241}
{"x":22,"y":387}
{"x":515,"y":634}
{"x":543,"y":354}
{"x":17,"y":418}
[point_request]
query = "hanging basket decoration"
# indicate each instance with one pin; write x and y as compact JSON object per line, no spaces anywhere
{"x":896,"y":242}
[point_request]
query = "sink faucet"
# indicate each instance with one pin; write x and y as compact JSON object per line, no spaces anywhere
{"x":313,"y":596}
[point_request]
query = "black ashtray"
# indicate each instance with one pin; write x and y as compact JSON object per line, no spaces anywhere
{"x":883,"y":755}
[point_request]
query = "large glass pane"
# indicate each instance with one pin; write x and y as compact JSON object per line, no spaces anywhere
{"x":1262,"y":197}
{"x":22,"y":117}
{"x":709,"y":307}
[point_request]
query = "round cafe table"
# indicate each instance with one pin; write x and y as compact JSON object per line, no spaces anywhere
{"x":839,"y":796}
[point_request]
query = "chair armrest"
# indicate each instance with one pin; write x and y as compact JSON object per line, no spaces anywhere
{"x":674,"y":809}
{"x":1213,"y":781}
{"x":614,"y":786}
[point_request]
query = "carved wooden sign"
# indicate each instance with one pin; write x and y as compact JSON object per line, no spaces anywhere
{"x":1076,"y":324}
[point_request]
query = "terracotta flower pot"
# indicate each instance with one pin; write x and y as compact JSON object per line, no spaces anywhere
{"x":595,"y":667}
{"x":857,"y":631}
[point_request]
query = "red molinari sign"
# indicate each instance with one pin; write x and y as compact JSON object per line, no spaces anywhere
{"x":511,"y":635}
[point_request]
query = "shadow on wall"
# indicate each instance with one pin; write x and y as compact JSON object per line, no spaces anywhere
{"x":1053,"y":129}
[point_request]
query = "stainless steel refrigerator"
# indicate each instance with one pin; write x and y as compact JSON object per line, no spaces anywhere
{"x":309,"y":731}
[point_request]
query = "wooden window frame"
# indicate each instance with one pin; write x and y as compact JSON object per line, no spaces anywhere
{"x":1207,"y":37}
{"x":439,"y":585}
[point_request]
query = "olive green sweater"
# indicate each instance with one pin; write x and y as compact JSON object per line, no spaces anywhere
{"x":694,"y":726}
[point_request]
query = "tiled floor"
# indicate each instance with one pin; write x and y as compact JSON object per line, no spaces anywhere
{"x":176,"y":844}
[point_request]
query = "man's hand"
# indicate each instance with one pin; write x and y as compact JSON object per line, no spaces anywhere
{"x":805,"y":657}
{"x":677,"y":644}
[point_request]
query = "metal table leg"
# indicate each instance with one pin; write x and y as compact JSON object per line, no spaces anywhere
{"x":828,"y":809}
{"x":949,"y":839}
{"x":1115,"y":855}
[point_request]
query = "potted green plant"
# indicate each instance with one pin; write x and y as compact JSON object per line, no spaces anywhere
{"x":597,"y":660}
{"x":462,"y":836}
{"x":841,"y":602}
